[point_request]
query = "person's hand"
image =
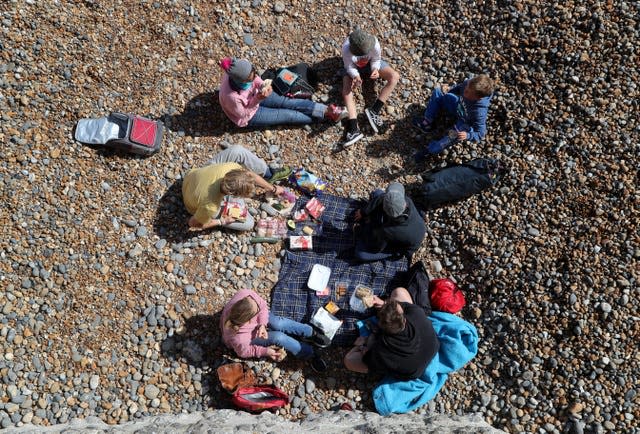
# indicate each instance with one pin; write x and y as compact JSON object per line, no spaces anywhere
{"x":223,"y":221}
{"x":262,"y":332}
{"x":462,"y":135}
{"x":264,"y":93}
{"x":377,"y":301}
{"x":357,"y":216}
{"x":279,"y":190}
{"x":356,"y":82}
{"x":444,"y":88}
{"x":375,"y":74}
{"x":276,"y":354}
{"x":273,"y":354}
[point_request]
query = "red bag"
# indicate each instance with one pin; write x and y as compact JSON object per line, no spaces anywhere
{"x":259,"y":398}
{"x":446,"y":296}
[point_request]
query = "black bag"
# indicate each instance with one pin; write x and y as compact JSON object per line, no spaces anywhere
{"x":295,"y":81}
{"x":418,"y":286}
{"x":458,"y":181}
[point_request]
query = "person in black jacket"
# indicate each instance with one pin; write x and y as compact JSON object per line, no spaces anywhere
{"x":389,"y":226}
{"x":403,"y":345}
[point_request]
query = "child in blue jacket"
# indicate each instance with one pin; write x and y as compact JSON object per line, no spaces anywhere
{"x":468,"y":102}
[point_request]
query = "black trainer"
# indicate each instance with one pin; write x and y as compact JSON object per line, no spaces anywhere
{"x":317,"y":364}
{"x":318,"y":339}
{"x":375,"y":120}
{"x":351,"y":137}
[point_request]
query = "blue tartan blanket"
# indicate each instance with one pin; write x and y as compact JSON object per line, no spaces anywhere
{"x":333,"y":247}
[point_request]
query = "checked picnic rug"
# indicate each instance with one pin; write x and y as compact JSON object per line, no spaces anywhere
{"x":333,"y":248}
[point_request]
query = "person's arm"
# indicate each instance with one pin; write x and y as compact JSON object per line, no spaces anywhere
{"x":376,"y":57}
{"x":458,"y":89}
{"x":241,"y":344}
{"x":263,"y":314}
{"x":347,"y":60}
{"x":194,"y":224}
{"x":372,"y":205}
{"x":478,"y":125}
{"x":262,"y":183}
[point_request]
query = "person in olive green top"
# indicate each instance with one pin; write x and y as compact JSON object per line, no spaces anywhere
{"x":234,"y":173}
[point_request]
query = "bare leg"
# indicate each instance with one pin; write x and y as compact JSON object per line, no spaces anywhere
{"x":353,"y":361}
{"x":347,"y":94}
{"x":392,"y":77}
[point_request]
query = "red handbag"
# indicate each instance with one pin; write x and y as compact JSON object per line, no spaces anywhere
{"x":259,"y":398}
{"x":245,"y":394}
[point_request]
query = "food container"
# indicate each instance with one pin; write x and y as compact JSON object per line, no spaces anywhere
{"x":341,"y":289}
{"x":355,"y":303}
{"x":319,"y":277}
{"x":301,"y":242}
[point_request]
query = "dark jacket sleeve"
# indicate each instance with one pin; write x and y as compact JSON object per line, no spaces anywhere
{"x":372,"y":205}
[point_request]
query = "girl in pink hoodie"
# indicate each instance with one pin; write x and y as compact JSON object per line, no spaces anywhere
{"x":248,"y":101}
{"x":252,"y":331}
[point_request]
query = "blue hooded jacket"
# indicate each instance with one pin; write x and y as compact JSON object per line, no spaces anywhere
{"x":471,"y":115}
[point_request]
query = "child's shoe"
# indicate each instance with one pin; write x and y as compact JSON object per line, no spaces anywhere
{"x":423,"y":124}
{"x":317,"y":364}
{"x":336,"y":113}
{"x":421,"y":155}
{"x":375,"y":120}
{"x":317,"y":338}
{"x":350,"y":137}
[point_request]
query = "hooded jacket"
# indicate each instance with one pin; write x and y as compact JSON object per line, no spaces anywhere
{"x":402,"y":235}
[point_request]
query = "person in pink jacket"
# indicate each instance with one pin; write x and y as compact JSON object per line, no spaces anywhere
{"x":252,"y":331}
{"x":250,"y":102}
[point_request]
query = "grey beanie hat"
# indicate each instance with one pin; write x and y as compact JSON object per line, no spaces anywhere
{"x":360,"y":42}
{"x":237,"y":69}
{"x":394,"y":202}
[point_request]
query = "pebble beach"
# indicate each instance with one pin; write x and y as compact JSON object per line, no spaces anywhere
{"x":110,"y":307}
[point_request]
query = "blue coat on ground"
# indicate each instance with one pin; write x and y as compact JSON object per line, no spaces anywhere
{"x":458,"y":345}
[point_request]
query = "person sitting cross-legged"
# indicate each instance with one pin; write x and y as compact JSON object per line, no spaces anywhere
{"x":404,"y":343}
{"x":252,"y":331}
{"x":389,"y":226}
{"x":231,"y":175}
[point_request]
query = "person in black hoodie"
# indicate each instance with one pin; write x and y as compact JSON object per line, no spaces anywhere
{"x":388,"y":227}
{"x":403,"y":345}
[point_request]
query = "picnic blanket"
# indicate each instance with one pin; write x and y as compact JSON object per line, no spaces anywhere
{"x":333,"y":248}
{"x":458,"y":345}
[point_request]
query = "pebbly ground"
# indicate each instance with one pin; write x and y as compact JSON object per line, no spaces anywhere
{"x":109,"y":307}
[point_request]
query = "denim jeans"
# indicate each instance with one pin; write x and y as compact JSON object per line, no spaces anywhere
{"x":440,"y":101}
{"x":279,"y":110}
{"x":449,"y":103}
{"x":241,"y":155}
{"x":245,"y":225}
{"x":279,"y":330}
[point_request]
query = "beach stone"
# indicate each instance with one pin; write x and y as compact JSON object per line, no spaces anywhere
{"x":151,"y":391}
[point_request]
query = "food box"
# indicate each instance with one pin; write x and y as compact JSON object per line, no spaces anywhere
{"x":319,"y":277}
{"x":235,"y":210}
{"x":358,"y":304}
{"x":315,"y":208}
{"x":332,"y":308}
{"x":341,"y":289}
{"x":304,"y":242}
